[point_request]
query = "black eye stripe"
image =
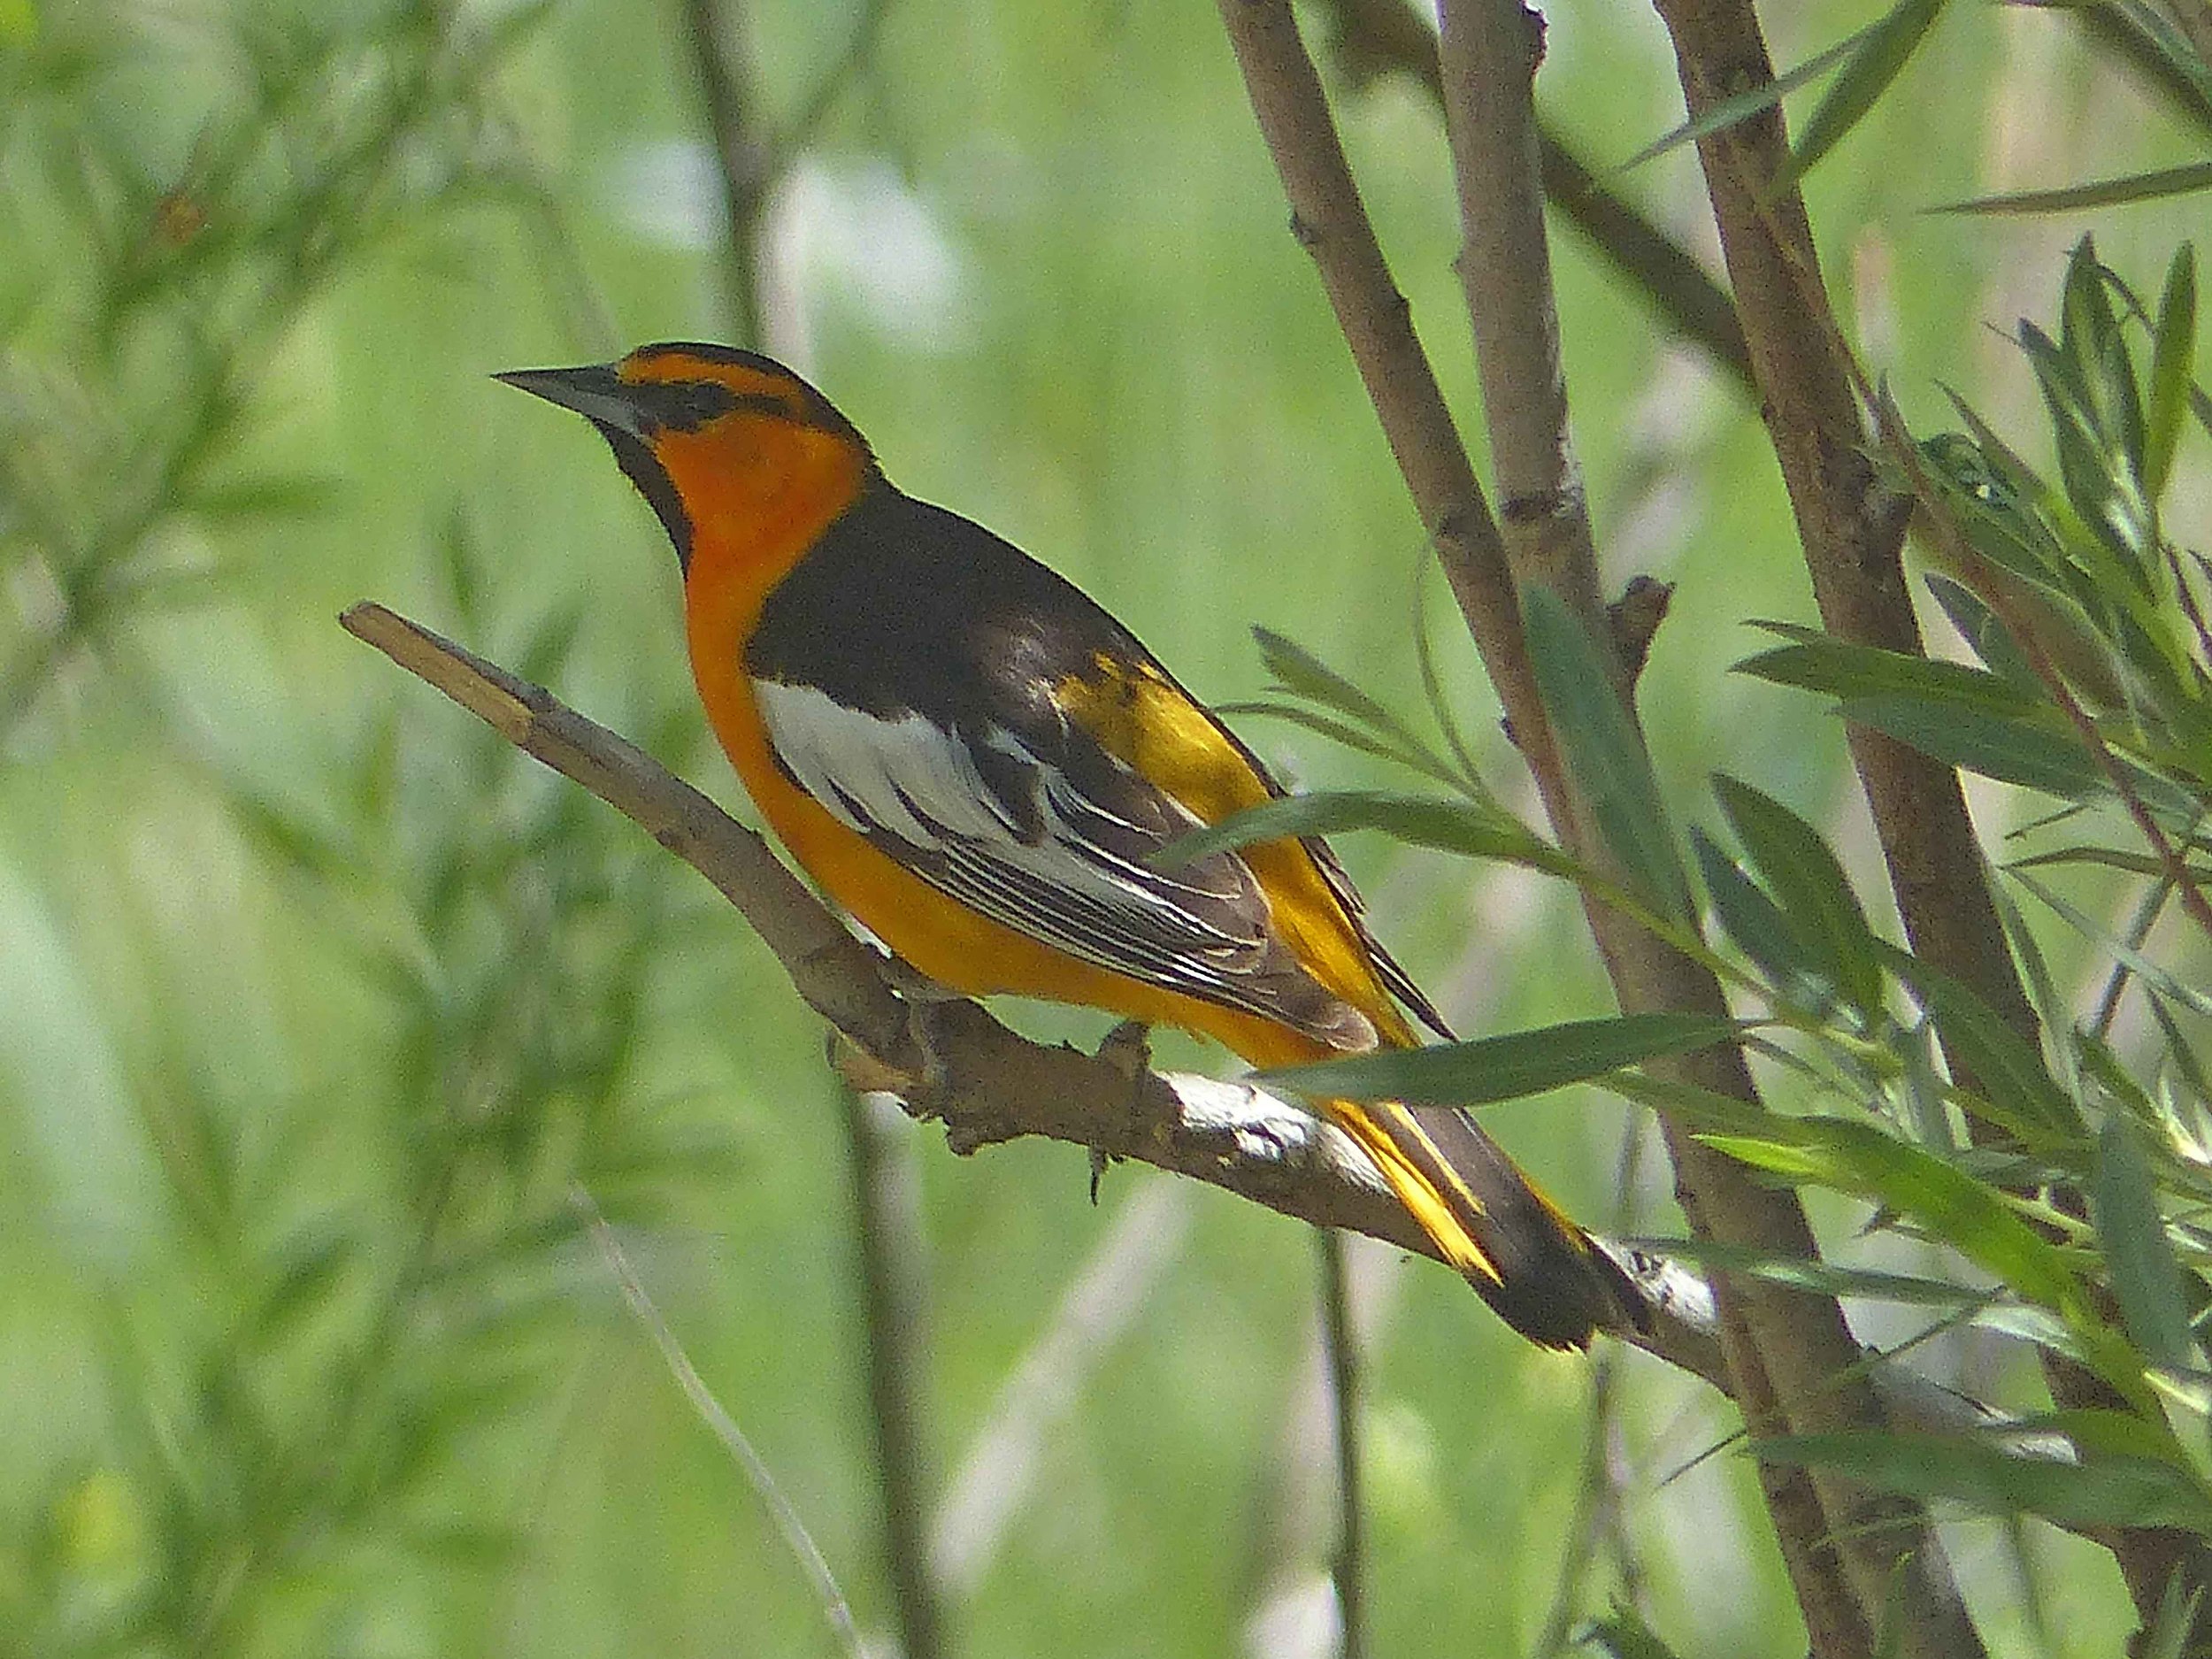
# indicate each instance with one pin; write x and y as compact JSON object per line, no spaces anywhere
{"x":686,"y":405}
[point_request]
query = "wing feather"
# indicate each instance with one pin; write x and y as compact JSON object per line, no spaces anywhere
{"x":1058,"y":852}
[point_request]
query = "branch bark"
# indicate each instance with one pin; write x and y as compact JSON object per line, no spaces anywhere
{"x":1389,"y":36}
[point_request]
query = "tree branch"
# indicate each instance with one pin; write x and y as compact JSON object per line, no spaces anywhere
{"x":1853,"y":537}
{"x":982,"y":1081}
{"x":1389,"y":36}
{"x":1791,"y":1362}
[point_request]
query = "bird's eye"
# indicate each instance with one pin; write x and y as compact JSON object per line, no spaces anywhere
{"x":695,"y":402}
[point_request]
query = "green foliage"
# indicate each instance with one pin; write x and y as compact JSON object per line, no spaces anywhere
{"x":2109,"y":716}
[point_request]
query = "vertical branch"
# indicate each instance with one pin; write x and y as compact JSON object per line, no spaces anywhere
{"x":1390,"y":35}
{"x":1340,"y":1342}
{"x":1791,"y":1359}
{"x":1488,"y":52}
{"x":1853,"y":540}
{"x":1487,"y":55}
{"x":887,"y":1225}
{"x":721,"y":60}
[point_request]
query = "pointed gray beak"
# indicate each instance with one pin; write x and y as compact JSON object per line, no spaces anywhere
{"x":594,"y":391}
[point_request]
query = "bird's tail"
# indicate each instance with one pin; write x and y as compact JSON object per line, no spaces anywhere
{"x":1517,"y":1247}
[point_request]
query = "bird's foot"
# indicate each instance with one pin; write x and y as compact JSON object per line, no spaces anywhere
{"x":1127,"y":1047}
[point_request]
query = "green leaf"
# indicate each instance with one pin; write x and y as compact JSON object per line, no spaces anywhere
{"x":1606,"y":754}
{"x":2169,"y":1634}
{"x":1819,"y":661}
{"x":1884,"y":49}
{"x":1448,"y":825}
{"x":2000,"y":1062}
{"x":2152,"y":973}
{"x":1508,"y":1066}
{"x":2033,"y":753}
{"x":1944,"y":1199}
{"x":1979,"y":627}
{"x":1742,"y":106}
{"x":1810,"y":889}
{"x":2134,"y":186}
{"x":1981,"y":1472}
{"x":2131,"y":1233}
{"x":1299,"y":671}
{"x":2173,"y":361}
{"x":1623,"y":1634}
{"x":1754,"y":922}
{"x":1356,"y":738}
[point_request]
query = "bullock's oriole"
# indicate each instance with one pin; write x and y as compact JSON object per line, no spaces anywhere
{"x":975,"y":761}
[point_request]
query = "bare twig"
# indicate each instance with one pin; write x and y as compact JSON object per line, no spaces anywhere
{"x":1374,"y":36}
{"x":714,"y":35}
{"x":834,"y":1607}
{"x":1340,"y":1344}
{"x":888,"y":1228}
{"x":799,"y":131}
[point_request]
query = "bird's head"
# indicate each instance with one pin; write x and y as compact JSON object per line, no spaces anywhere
{"x":731,"y":448}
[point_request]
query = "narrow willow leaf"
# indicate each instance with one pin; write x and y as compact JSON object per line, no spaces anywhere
{"x":2000,"y":1062}
{"x":1356,"y":738}
{"x":1943,"y":1200}
{"x":1692,"y":1105}
{"x":1432,"y":689}
{"x":1743,"y":105}
{"x":1809,"y":886}
{"x":1623,"y":1634}
{"x":1884,"y":49}
{"x":2131,"y":1234}
{"x":1981,"y":1472}
{"x":2134,"y":186}
{"x":1751,"y":920}
{"x":1980,"y":628}
{"x":2033,"y":753}
{"x":2169,"y":1634}
{"x":1446,"y":825}
{"x":1819,"y":662}
{"x":1508,"y":1066}
{"x":2173,"y":360}
{"x":1298,"y":670}
{"x":1606,"y":754}
{"x":2151,"y":972}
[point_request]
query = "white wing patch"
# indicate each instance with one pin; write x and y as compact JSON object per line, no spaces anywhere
{"x":1202,"y":928}
{"x":880,"y":775}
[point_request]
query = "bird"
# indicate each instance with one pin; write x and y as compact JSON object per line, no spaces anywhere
{"x":979,"y":763}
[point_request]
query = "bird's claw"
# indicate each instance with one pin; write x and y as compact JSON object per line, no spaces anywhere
{"x":1127,"y":1047}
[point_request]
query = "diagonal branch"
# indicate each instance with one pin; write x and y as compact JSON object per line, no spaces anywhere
{"x":982,"y":1081}
{"x":1390,"y":36}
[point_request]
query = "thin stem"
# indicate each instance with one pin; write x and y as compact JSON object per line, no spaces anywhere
{"x":711,"y":1411}
{"x":1392,"y":36}
{"x":714,"y":33}
{"x":1339,"y":1345}
{"x":887,"y":1225}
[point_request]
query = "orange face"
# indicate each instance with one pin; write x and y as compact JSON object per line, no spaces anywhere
{"x":760,"y":459}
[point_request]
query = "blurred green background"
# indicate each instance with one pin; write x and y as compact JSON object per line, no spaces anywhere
{"x":315,"y":1001}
